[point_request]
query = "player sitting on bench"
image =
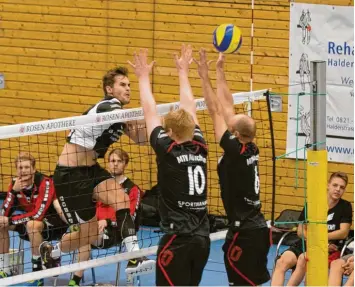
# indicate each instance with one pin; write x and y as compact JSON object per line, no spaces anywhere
{"x":32,"y":193}
{"x":109,"y":234}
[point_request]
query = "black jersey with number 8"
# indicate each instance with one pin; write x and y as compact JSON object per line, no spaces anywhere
{"x":182,"y":180}
{"x":238,"y":173}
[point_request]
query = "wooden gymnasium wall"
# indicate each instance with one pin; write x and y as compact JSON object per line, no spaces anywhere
{"x":54,"y":54}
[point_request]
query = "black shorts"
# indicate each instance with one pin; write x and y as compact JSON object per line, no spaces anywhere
{"x":110,"y":238}
{"x":297,"y":248}
{"x":74,"y":188}
{"x":245,"y":257}
{"x":181,"y":260}
{"x":49,"y":232}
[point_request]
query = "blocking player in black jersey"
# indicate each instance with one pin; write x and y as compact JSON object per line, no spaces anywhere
{"x":339,"y":221}
{"x":247,"y":242}
{"x":80,"y":181}
{"x":182,"y":178}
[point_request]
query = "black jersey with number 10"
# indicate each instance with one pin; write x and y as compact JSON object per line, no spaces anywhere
{"x":238,"y":173}
{"x":182,"y":181}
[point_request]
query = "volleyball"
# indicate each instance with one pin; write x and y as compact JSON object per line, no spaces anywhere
{"x":227,"y":38}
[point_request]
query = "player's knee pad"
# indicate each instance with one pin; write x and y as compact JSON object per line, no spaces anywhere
{"x":125,"y":223}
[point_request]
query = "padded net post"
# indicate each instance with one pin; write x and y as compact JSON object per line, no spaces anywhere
{"x":317,"y":235}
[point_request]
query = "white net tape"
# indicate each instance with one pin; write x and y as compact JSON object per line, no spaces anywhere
{"x":113,"y":259}
{"x":62,"y":124}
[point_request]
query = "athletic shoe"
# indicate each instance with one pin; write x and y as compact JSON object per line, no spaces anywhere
{"x":140,"y":265}
{"x":72,"y":283}
{"x":39,"y":282}
{"x":3,"y":274}
{"x":45,"y":249}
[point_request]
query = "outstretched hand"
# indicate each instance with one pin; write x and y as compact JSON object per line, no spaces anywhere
{"x":140,"y":65}
{"x":182,"y":63}
{"x":203,"y":64}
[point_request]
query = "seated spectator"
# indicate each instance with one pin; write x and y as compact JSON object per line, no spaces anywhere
{"x":339,"y":222}
{"x":109,"y":233}
{"x":340,"y":267}
{"x":32,"y":193}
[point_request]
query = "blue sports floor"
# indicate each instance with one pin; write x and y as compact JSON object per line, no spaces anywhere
{"x":214,"y":273}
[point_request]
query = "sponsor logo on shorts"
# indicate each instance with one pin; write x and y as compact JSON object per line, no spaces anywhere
{"x":166,"y":257}
{"x":67,"y":214}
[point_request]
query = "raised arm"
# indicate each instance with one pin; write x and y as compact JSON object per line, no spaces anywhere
{"x":142,"y":70}
{"x":223,"y":93}
{"x":213,"y":105}
{"x":187,"y":101}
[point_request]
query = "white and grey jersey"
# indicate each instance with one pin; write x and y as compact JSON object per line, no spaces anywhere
{"x":98,"y":138}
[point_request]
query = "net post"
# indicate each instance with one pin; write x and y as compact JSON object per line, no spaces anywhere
{"x":317,"y":207}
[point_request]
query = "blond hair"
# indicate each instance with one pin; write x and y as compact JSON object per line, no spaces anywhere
{"x":24,"y":156}
{"x":181,"y":124}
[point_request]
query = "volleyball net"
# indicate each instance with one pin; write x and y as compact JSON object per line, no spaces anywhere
{"x":44,"y":140}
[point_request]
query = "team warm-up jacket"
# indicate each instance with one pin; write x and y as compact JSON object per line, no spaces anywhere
{"x":36,"y":201}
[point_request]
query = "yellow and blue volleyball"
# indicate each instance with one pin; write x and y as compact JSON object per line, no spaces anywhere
{"x":227,"y":38}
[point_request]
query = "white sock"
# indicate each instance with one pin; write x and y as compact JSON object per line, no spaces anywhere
{"x":131,"y":243}
{"x":36,"y":263}
{"x":5,"y":263}
{"x":36,"y":257}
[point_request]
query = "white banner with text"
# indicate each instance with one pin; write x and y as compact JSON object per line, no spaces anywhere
{"x":322,"y":32}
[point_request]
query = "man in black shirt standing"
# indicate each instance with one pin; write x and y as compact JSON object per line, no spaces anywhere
{"x":182,"y":178}
{"x":247,"y":243}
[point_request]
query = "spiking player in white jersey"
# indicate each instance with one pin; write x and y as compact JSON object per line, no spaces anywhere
{"x":80,"y":181}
